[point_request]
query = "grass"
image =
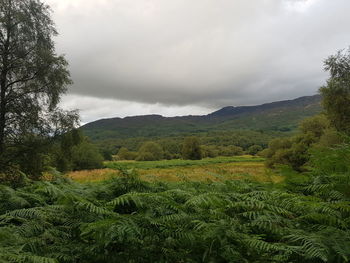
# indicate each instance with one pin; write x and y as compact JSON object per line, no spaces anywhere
{"x":214,"y":169}
{"x":179,"y":162}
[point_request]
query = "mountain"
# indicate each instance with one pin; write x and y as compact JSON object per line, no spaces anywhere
{"x":282,"y":116}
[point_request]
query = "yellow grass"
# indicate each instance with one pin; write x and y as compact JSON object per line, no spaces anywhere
{"x":213,"y":172}
{"x":93,"y":175}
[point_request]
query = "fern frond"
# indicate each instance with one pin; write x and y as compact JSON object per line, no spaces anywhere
{"x":92,"y":208}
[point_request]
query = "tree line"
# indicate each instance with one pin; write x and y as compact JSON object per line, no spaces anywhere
{"x":189,"y":148}
{"x":303,"y":219}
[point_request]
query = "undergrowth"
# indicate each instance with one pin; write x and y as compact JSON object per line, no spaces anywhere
{"x":128,"y":220}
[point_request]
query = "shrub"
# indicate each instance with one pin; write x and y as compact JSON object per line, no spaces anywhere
{"x":209,"y":151}
{"x":125,"y":154}
{"x":231,"y":150}
{"x":191,"y":149}
{"x":86,"y":156}
{"x":13,"y":177}
{"x":254,"y":149}
{"x":150,"y":151}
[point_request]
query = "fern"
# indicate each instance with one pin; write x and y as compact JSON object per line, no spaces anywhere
{"x":311,"y":246}
{"x":127,"y":220}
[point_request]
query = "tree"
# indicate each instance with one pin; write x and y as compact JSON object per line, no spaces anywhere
{"x":209,"y":151}
{"x":150,"y":151}
{"x":191,"y":149}
{"x":62,"y":151}
{"x":295,"y":151}
{"x":86,"y":156}
{"x":125,"y":154}
{"x":32,"y":78}
{"x":107,"y":154}
{"x":315,"y":125}
{"x":231,"y":150}
{"x":254,"y":149}
{"x":336,"y":93}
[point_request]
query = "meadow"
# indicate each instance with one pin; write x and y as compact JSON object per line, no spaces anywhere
{"x":209,"y":169}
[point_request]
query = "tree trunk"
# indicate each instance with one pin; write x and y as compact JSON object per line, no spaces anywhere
{"x":2,"y":113}
{"x":3,"y":87}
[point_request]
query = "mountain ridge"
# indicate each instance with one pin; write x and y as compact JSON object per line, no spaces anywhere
{"x":278,"y":115}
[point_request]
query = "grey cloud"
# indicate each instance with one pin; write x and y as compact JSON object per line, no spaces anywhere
{"x":108,"y":108}
{"x":208,"y":53}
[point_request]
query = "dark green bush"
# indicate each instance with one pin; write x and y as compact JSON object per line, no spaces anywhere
{"x":191,"y":149}
{"x":150,"y":151}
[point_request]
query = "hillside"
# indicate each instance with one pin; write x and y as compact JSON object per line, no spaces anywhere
{"x":282,"y":116}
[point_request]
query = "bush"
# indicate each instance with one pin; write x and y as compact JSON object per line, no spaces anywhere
{"x":13,"y":177}
{"x":145,"y":156}
{"x":86,"y":156}
{"x":150,"y":151}
{"x":294,"y":151}
{"x":209,"y":151}
{"x":191,"y":149}
{"x":107,"y":154}
{"x":254,"y":149}
{"x":231,"y":150}
{"x":125,"y":154}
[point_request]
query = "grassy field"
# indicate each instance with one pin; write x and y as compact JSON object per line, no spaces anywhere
{"x":179,"y":162}
{"x":211,"y":169}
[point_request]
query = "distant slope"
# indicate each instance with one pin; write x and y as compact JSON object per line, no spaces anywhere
{"x":275,"y":116}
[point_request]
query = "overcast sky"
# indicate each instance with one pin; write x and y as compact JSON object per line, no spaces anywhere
{"x":180,"y":57}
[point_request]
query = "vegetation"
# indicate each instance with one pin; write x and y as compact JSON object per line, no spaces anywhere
{"x":191,"y":149}
{"x":336,"y":94}
{"x":230,"y":126}
{"x":278,"y":117}
{"x":204,"y":170}
{"x":32,"y":80}
{"x":150,"y":151}
{"x":179,"y":162}
{"x":213,"y":145}
{"x":125,"y":154}
{"x":314,"y":132}
{"x":45,"y":217}
{"x":129,"y":220}
{"x":254,"y":149}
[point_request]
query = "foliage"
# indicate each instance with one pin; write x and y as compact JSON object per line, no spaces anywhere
{"x":215,"y":133}
{"x":254,"y":149}
{"x":125,"y":154}
{"x":32,"y":79}
{"x":231,"y":150}
{"x":86,"y":156}
{"x":150,"y":151}
{"x":336,"y":93}
{"x":13,"y":177}
{"x":191,"y":149}
{"x":273,"y":118}
{"x":128,"y":220}
{"x":125,"y":219}
{"x":107,"y":154}
{"x":295,"y":151}
{"x":212,"y":145}
{"x":217,"y":141}
{"x":73,"y":151}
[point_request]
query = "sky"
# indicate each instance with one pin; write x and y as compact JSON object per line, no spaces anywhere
{"x":190,"y":57}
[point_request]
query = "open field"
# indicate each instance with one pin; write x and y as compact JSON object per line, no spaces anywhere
{"x":214,"y":169}
{"x":180,"y":162}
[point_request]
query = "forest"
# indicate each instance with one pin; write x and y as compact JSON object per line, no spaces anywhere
{"x":48,"y":217}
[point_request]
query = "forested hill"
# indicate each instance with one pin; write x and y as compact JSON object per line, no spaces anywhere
{"x":275,"y":116}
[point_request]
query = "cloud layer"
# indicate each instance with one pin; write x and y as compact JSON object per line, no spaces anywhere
{"x":199,"y":53}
